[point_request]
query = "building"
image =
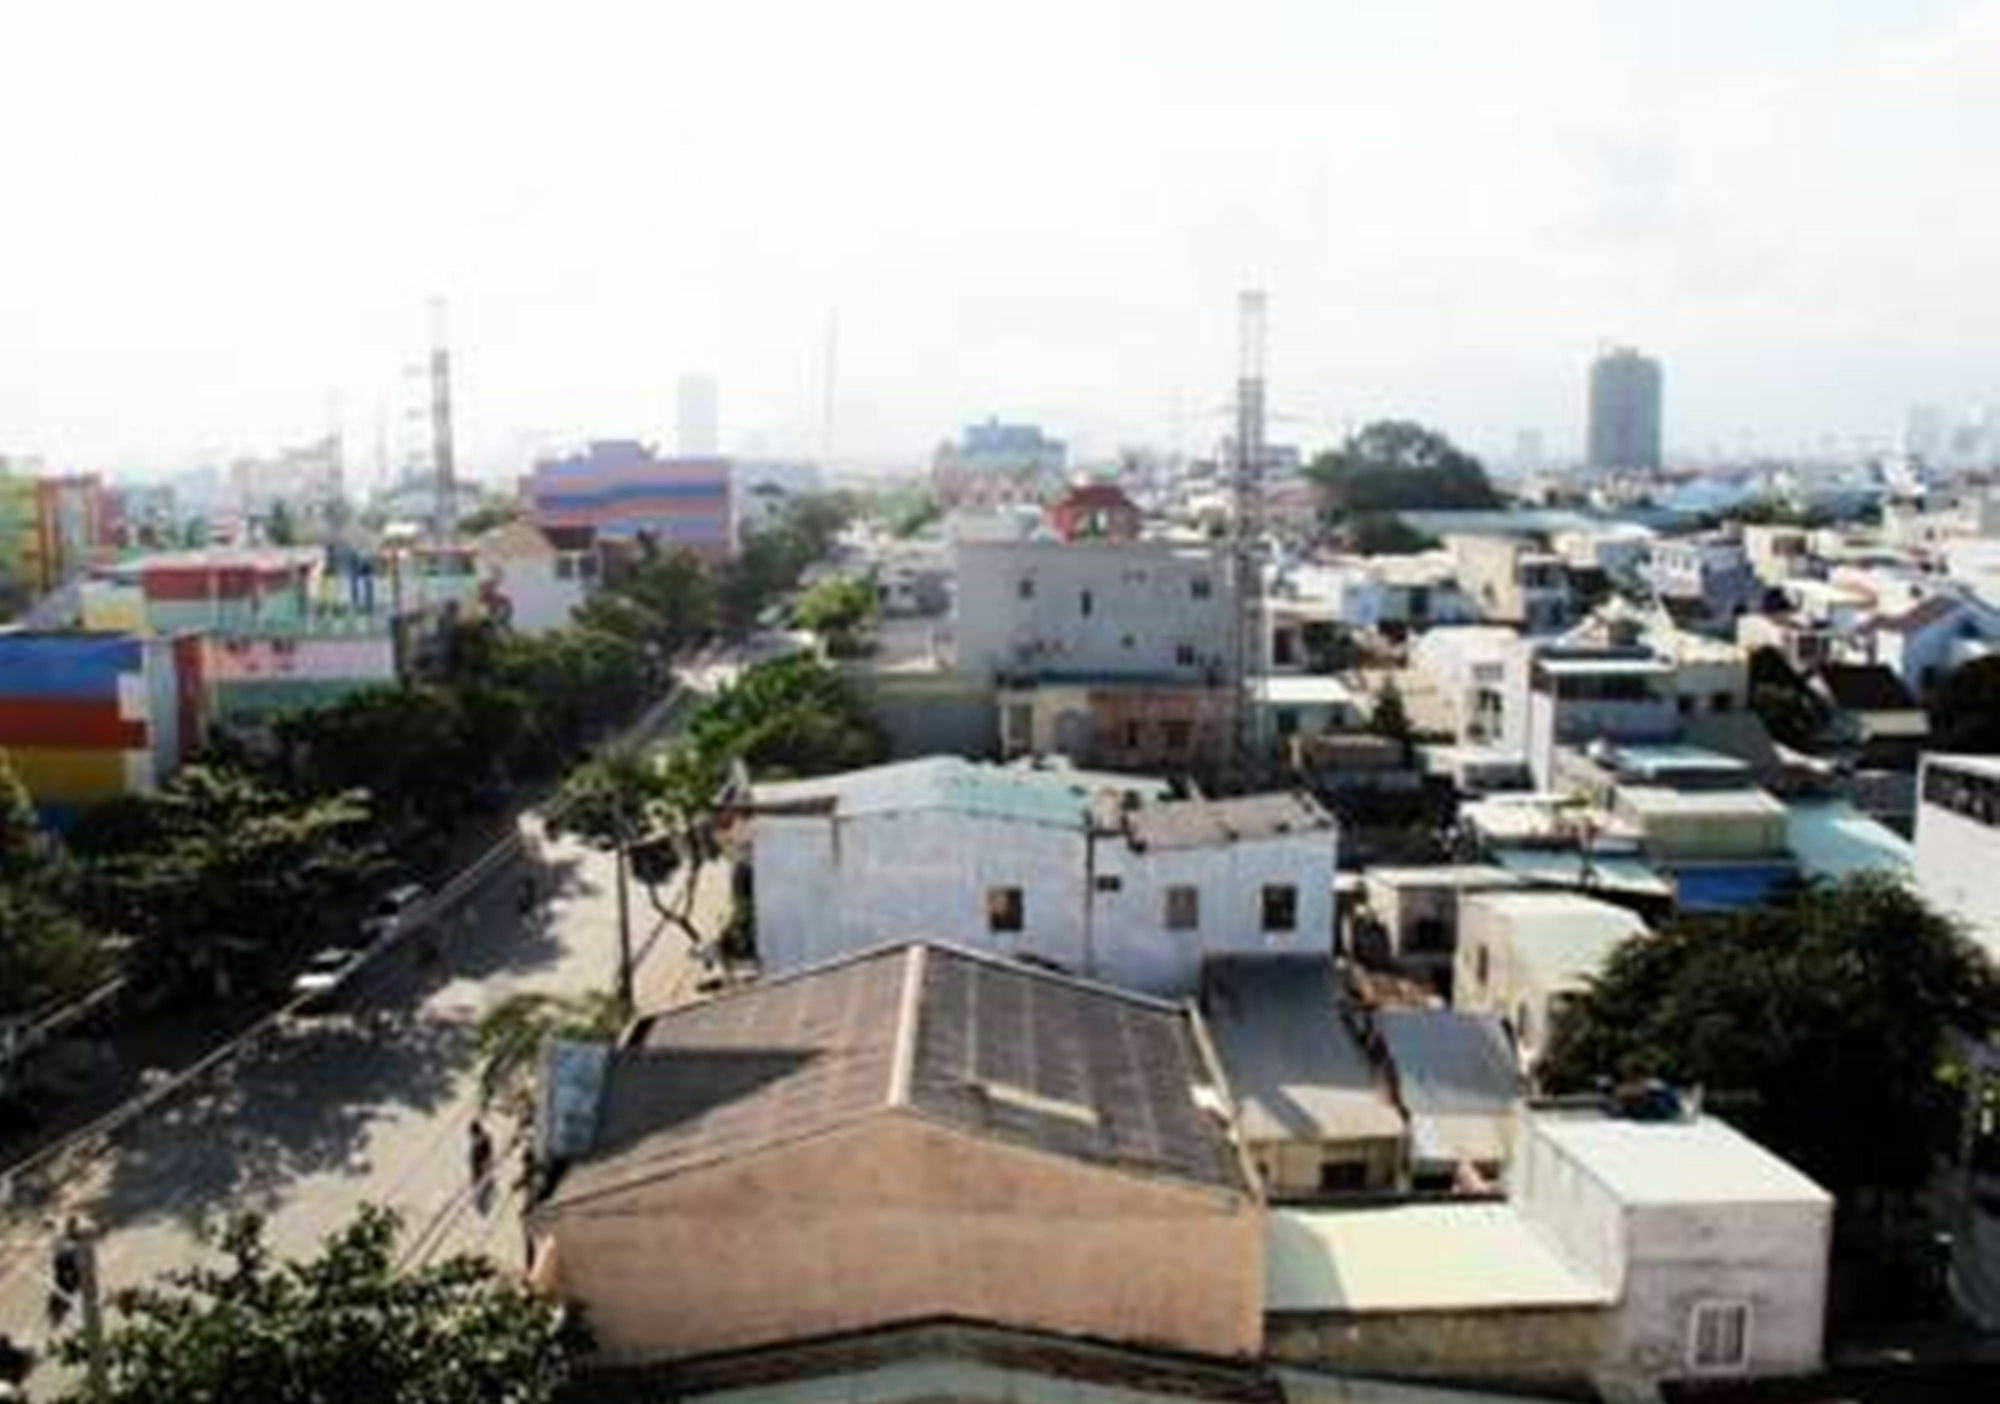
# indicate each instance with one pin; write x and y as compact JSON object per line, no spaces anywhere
{"x":875,"y":1141}
{"x":1522,"y":954}
{"x":1101,"y":875}
{"x":619,"y":491}
{"x":1628,"y":1252}
{"x":1958,"y":841}
{"x":1312,"y":1107}
{"x":697,"y":421}
{"x":87,"y":717}
{"x":1456,"y":1079}
{"x":1624,"y":423}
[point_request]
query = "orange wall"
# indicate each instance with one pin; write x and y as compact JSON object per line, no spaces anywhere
{"x":896,"y":1218}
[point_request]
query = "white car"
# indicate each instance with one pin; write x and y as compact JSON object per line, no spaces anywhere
{"x":324,"y":972}
{"x":393,"y":913}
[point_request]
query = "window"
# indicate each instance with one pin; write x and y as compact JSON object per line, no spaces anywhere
{"x":1481,"y":968}
{"x":1003,"y":909}
{"x":1175,"y":734}
{"x":1719,"y":1336}
{"x":1721,"y":702}
{"x":1281,"y":906}
{"x":1083,"y":602}
{"x":1184,"y":655}
{"x":1026,"y":588}
{"x":1109,"y":882}
{"x":1199,"y":587}
{"x":1183,"y":908}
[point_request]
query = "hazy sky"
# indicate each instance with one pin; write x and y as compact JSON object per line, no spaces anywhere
{"x":213,"y":215}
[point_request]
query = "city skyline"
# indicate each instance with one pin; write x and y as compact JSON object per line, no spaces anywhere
{"x":1449,"y":207}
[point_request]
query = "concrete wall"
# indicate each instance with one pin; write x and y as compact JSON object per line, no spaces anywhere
{"x":892,"y":1219}
{"x":1144,"y":608}
{"x":1526,"y":1344}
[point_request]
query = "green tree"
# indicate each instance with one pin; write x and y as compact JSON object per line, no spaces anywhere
{"x":1965,"y":709}
{"x":347,"y":1324}
{"x":1827,"y":1013}
{"x":839,"y":611}
{"x":1394,"y":466}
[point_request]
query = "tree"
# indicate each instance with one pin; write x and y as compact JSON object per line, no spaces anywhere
{"x":1396,"y":465}
{"x":838,"y":610}
{"x":348,"y":1324}
{"x":1965,"y":709}
{"x":1827,"y":1012}
{"x":1792,"y":712}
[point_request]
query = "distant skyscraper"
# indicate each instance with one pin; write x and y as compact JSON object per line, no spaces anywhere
{"x":1624,"y":410}
{"x":696,"y":435}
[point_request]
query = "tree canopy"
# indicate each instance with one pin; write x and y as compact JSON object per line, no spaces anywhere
{"x":1828,"y":1012}
{"x":347,"y":1324}
{"x":1394,"y":465}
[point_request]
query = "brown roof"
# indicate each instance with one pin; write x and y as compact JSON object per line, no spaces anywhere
{"x":1000,"y":1050}
{"x":1931,"y":611}
{"x":1198,"y":823}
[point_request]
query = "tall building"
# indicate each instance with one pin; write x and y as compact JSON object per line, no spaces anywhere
{"x":696,"y":418}
{"x":1624,"y":410}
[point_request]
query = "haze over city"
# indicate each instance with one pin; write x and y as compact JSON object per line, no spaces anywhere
{"x":221,"y":213}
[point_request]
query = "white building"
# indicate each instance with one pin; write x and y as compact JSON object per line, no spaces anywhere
{"x":1119,"y":609}
{"x":1521,"y":955}
{"x":1100,"y":875}
{"x":1958,"y":841}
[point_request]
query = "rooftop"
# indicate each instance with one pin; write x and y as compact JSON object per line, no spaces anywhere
{"x":1295,"y":1069}
{"x":952,"y":1036}
{"x":1695,"y":1161}
{"x":1416,"y":1257}
{"x":1561,"y":937}
{"x":1200,"y":823}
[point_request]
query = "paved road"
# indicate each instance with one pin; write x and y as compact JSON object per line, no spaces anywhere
{"x":367,"y":1104}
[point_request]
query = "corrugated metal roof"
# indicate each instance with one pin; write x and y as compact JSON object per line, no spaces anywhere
{"x":1416,"y":1257}
{"x":1295,"y":1068}
{"x":1458,"y":1078}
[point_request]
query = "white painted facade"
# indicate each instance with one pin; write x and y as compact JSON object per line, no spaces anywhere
{"x":1958,"y":841}
{"x":1105,"y":609}
{"x":1717,"y":1251}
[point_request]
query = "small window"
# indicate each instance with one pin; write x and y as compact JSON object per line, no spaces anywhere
{"x":1109,"y":882}
{"x":1183,"y":908}
{"x":1025,"y":588}
{"x":1481,"y":969}
{"x":1175,"y":735}
{"x":1084,"y":603}
{"x":1719,"y":1336}
{"x":1003,"y":909}
{"x":1200,"y":588}
{"x":1281,"y":907}
{"x":1184,"y":655}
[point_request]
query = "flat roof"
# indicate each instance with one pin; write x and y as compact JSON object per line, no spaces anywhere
{"x":1561,"y":936}
{"x":1296,"y":1071}
{"x":1416,"y":1257}
{"x":1697,"y":1161}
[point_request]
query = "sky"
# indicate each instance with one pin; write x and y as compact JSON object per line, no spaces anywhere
{"x":220,"y":223}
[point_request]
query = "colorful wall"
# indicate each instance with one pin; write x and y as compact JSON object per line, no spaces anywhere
{"x":85,"y":717}
{"x":620,"y":489}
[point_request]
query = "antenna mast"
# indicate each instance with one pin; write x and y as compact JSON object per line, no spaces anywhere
{"x":1247,"y":538}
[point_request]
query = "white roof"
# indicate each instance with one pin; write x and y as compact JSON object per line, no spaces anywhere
{"x":1561,"y":937}
{"x":1701,"y":1161}
{"x":1416,"y":1257}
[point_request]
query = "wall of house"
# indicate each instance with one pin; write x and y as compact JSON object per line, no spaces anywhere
{"x":827,"y":886}
{"x":1145,"y":607}
{"x":1530,"y":1345}
{"x":893,"y":1218}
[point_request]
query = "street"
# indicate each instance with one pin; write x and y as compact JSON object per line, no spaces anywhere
{"x":370,"y":1102}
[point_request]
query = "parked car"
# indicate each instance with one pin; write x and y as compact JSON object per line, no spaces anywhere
{"x":324,"y":972}
{"x":394,"y":913}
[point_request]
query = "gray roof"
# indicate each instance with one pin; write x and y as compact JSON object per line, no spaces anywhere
{"x":1201,"y":823}
{"x":999,"y":1050}
{"x":1296,"y":1070}
{"x":1458,"y":1079}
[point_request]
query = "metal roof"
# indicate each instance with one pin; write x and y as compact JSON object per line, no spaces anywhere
{"x":1416,"y":1257}
{"x":1696,"y":1161}
{"x":1560,"y":937}
{"x":1002,"y":1051}
{"x":1458,"y":1078}
{"x":1296,"y":1070}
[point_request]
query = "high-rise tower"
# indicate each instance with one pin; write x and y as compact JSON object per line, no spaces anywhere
{"x":1624,"y":429}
